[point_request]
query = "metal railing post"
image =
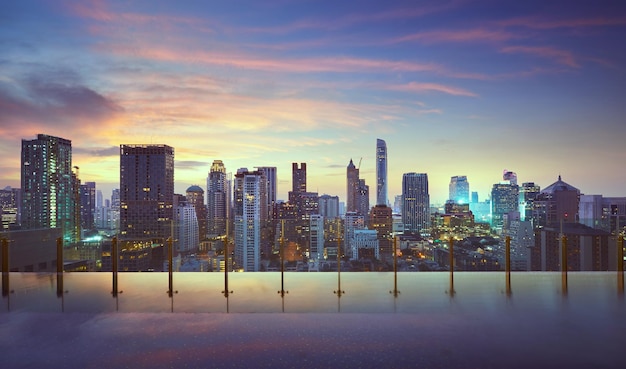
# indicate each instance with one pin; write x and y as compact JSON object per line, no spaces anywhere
{"x":114,"y":265}
{"x":620,"y":264}
{"x":451,"y":261}
{"x":508,"y":264}
{"x":5,"y":267}
{"x":395,"y":291}
{"x":59,"y":267}
{"x":564,"y":264}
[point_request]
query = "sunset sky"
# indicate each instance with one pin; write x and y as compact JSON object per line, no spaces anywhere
{"x":453,"y":87}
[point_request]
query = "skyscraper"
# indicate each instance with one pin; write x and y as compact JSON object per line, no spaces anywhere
{"x":459,"y":190}
{"x":218,"y":199}
{"x":250,"y":215}
{"x":272,"y":181}
{"x":186,"y":230}
{"x":329,"y":206}
{"x":380,"y":219}
{"x":48,"y":194}
{"x":352,"y":187}
{"x":88,"y":205}
{"x":381,"y":172}
{"x":528,"y":193}
{"x":10,"y":202}
{"x":316,"y":239}
{"x":555,"y":203}
{"x":353,"y":222}
{"x":415,"y":202}
{"x":362,"y":199}
{"x":147,"y":192}
{"x":298,"y":179}
{"x":504,"y":203}
{"x":195,"y":198}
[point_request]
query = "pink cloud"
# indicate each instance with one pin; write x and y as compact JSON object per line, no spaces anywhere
{"x":473,"y":35}
{"x":303,"y":65}
{"x":558,"y":55}
{"x":424,"y":87}
{"x":98,"y":10}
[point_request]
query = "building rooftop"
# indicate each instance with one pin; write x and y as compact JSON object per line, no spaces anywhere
{"x":559,"y":185}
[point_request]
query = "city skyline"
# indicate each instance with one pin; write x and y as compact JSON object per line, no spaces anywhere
{"x":455,"y":88}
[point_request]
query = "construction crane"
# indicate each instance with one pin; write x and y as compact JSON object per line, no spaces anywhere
{"x":359,"y":167}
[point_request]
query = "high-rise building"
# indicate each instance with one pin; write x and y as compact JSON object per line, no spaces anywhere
{"x":527,"y":194}
{"x":195,"y":198}
{"x":298,"y":179}
{"x":48,"y":194}
{"x":397,"y":204}
{"x":381,"y":221}
{"x":381,"y":172}
{"x":218,"y":199}
{"x":10,"y":200}
{"x":459,"y":190}
{"x":588,"y":249}
{"x":474,"y":197}
{"x":555,"y":203}
{"x":316,"y":239}
{"x":365,"y":243}
{"x":147,"y":192}
{"x":605,"y":213}
{"x":88,"y":205}
{"x":329,"y":206}
{"x":306,"y":204}
{"x":504,"y":203}
{"x":362,"y":199}
{"x":352,"y":187}
{"x":250,"y":213}
{"x":415,"y":202}
{"x":272,"y":182}
{"x":352,"y":222}
{"x":186,"y":230}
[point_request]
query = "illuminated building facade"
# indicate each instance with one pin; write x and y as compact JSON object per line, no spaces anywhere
{"x":381,"y":221}
{"x":218,"y":200}
{"x":49,"y":198}
{"x":250,"y":213}
{"x":415,"y":202}
{"x":147,"y":192}
{"x":458,"y":190}
{"x":504,"y":203}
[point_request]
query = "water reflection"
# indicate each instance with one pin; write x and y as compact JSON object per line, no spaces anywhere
{"x":308,"y":292}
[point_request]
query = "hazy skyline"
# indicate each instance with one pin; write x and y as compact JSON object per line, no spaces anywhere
{"x":453,"y":87}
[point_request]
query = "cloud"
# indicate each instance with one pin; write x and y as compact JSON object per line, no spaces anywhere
{"x":191,"y":164}
{"x":97,"y":151}
{"x":469,"y":35}
{"x":560,"y":56}
{"x":288,"y":65}
{"x":58,"y":100}
{"x":425,"y":87}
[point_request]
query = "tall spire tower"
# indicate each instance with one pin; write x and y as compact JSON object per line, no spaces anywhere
{"x":381,"y":172}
